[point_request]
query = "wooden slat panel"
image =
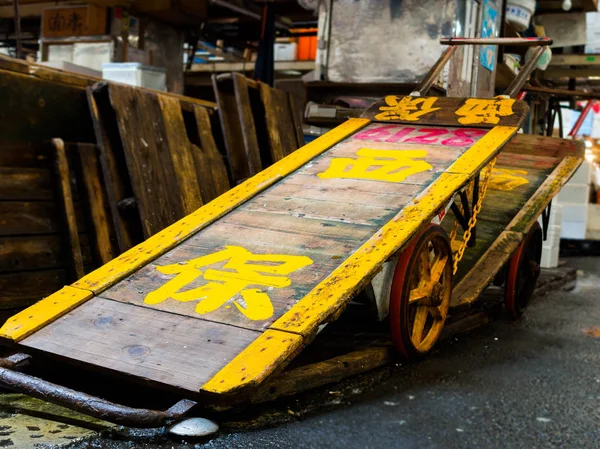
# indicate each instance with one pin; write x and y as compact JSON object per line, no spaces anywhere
{"x":297,"y":118}
{"x":97,"y":204}
{"x":280,"y":121}
{"x":210,"y":168}
{"x":70,"y":230}
{"x":26,"y":154}
{"x":248,"y":127}
{"x":116,"y":179}
{"x":25,"y":288}
{"x":146,"y":148}
{"x":25,"y":184}
{"x":36,"y":252}
{"x":40,"y":217}
{"x":544,"y":146}
{"x":159,"y":347}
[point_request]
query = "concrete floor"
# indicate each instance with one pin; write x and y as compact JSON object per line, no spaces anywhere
{"x":528,"y":384}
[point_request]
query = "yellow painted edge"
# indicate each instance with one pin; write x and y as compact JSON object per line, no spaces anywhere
{"x":140,"y":255}
{"x":256,"y":362}
{"x":44,"y":312}
{"x":339,"y":287}
{"x":482,"y":151}
{"x":530,"y":212}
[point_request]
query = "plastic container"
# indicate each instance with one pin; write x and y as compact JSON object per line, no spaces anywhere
{"x":136,"y":74}
{"x":519,"y":12}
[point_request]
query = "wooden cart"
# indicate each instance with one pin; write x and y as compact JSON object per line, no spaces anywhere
{"x":415,"y":202}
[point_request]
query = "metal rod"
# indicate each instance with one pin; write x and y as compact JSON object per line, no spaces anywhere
{"x":514,"y":41}
{"x":435,"y":71}
{"x":581,"y":118}
{"x":90,"y":405}
{"x":18,"y":29}
{"x":515,"y":87}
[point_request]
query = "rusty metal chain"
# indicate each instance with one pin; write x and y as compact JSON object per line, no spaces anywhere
{"x":483,"y":185}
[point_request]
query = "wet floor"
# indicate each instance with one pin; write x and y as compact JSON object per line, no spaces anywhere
{"x":528,"y":384}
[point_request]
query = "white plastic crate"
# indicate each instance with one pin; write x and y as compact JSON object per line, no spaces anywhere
{"x":136,"y":74}
{"x":573,"y":230}
{"x":550,"y":256}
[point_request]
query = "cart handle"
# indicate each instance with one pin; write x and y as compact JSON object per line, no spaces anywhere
{"x":454,"y":42}
{"x":85,"y":403}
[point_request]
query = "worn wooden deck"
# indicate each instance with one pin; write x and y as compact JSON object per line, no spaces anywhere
{"x":224,"y":297}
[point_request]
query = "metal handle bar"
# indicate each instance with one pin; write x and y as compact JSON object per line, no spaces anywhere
{"x":454,"y":42}
{"x":85,"y":403}
{"x":514,"y":41}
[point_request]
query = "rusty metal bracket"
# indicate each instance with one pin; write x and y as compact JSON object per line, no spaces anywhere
{"x":84,"y":403}
{"x":546,"y":220}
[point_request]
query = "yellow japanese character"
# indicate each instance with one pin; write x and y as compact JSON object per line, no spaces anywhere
{"x":408,"y":108}
{"x":241,"y":270}
{"x":379,"y":165}
{"x":507,"y":179}
{"x":476,"y":110}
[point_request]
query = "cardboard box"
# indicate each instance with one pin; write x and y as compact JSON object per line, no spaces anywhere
{"x":85,"y":20}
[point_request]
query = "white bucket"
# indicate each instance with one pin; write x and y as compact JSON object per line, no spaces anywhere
{"x":519,"y":12}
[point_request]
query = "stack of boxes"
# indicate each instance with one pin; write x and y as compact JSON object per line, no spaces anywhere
{"x":551,"y":246}
{"x":574,"y":199}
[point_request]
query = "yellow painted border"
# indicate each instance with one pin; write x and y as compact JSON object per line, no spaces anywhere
{"x":122,"y":266}
{"x":256,"y":362}
{"x":47,"y":310}
{"x":483,"y":151}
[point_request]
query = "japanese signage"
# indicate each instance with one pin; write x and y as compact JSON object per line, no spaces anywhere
{"x":74,"y":21}
{"x":448,"y":111}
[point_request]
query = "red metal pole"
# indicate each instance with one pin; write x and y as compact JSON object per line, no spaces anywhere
{"x":581,"y":118}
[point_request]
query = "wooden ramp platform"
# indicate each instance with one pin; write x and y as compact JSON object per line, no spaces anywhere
{"x":232,"y":292}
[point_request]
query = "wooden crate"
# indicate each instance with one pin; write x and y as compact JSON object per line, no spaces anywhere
{"x":85,"y":20}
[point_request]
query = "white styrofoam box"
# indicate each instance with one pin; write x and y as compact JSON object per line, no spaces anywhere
{"x":285,"y":51}
{"x":575,"y":212}
{"x":552,"y":239}
{"x":592,"y":49}
{"x":583,"y":175}
{"x":136,"y":74}
{"x":573,"y":230}
{"x":57,"y":53}
{"x":593,"y":222}
{"x":92,"y":54}
{"x":70,"y":67}
{"x":574,"y":193}
{"x":550,"y":256}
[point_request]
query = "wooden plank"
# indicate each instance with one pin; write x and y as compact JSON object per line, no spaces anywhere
{"x":181,"y":151}
{"x":45,"y":311}
{"x":391,"y":196}
{"x":210,"y":168}
{"x":26,"y":154}
{"x":331,"y":211}
{"x":272,"y":120}
{"x":358,"y":270}
{"x":116,"y":179}
{"x":297,"y":118}
{"x":529,"y":213}
{"x":25,"y":184}
{"x":416,"y":134}
{"x":126,"y":263}
{"x":21,"y":217}
{"x":66,"y":198}
{"x":544,"y":146}
{"x":270,"y":351}
{"x":27,"y":287}
{"x":146,"y":147}
{"x":449,"y":111}
{"x":483,"y":272}
{"x":97,"y":204}
{"x":33,"y":109}
{"x":281,"y":127}
{"x":234,"y":124}
{"x":160,"y":348}
{"x":321,"y":256}
{"x":36,"y":253}
{"x":248,"y":127}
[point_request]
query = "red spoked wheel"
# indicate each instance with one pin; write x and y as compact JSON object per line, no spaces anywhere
{"x":421,"y":291}
{"x":523,"y":272}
